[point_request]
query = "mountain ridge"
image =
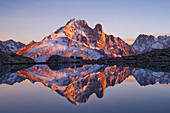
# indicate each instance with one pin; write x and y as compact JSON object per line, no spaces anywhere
{"x":32,"y":42}
{"x":9,"y":46}
{"x":145,"y":43}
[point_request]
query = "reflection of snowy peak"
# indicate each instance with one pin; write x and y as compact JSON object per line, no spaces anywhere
{"x":146,"y":77}
{"x":77,"y":84}
{"x":78,"y":39}
{"x":11,"y":78}
{"x":145,"y":43}
{"x":10,"y":45}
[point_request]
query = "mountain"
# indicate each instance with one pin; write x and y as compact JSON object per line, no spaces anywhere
{"x":13,"y":58}
{"x":77,"y":39}
{"x":32,"y":42}
{"x":10,"y":45}
{"x":145,"y":43}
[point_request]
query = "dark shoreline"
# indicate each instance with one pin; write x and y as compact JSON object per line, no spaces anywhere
{"x":157,"y":66}
{"x":24,"y":63}
{"x":156,"y":60}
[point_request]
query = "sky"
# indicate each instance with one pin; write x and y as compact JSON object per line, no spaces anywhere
{"x":26,"y":20}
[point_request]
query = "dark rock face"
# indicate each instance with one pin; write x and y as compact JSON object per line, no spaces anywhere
{"x":10,"y":45}
{"x":145,"y":43}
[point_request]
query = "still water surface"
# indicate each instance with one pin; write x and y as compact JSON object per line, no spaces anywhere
{"x":87,"y":89}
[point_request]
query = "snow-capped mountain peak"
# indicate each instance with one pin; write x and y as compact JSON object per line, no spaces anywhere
{"x":76,"y":38}
{"x":145,"y":43}
{"x":10,"y":46}
{"x":32,"y":42}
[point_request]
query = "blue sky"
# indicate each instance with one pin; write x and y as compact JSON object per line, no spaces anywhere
{"x":25,"y":20}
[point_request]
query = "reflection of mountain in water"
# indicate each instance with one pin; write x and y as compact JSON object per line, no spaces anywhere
{"x":77,"y":84}
{"x":146,"y":77}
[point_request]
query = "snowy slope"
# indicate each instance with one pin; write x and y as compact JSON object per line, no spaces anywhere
{"x":32,"y":42}
{"x":145,"y":43}
{"x":10,"y":45}
{"x":76,"y":38}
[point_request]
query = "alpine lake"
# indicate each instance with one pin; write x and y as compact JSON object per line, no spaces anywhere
{"x":90,"y":88}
